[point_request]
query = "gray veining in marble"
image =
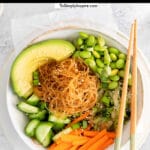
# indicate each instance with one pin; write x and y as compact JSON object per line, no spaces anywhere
{"x":123,"y":14}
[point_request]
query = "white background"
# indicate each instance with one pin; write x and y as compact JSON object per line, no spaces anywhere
{"x":122,"y":13}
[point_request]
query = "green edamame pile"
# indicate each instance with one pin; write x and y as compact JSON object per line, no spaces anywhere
{"x":107,"y":62}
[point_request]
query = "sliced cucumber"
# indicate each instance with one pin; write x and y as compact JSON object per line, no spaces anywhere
{"x":30,"y":127}
{"x":53,"y":118}
{"x":47,"y":140}
{"x":27,"y":108}
{"x":58,"y":122}
{"x":43,"y":133}
{"x":58,"y":126}
{"x":40,"y":115}
{"x":65,"y":131}
{"x":33,"y":100}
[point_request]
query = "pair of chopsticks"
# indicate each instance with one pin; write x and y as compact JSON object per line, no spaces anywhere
{"x":132,"y":45}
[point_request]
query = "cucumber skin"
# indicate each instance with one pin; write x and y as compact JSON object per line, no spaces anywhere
{"x":48,"y":139}
{"x":30,"y":127}
{"x":58,"y":126}
{"x":33,"y":100}
{"x":27,"y":108}
{"x":38,"y":135}
{"x":40,"y":115}
{"x":54,"y":119}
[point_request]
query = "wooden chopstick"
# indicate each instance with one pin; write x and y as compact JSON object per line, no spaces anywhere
{"x":124,"y":93}
{"x":134,"y":91}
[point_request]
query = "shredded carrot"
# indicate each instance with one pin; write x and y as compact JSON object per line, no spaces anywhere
{"x":90,"y":133}
{"x":74,"y":139}
{"x":80,"y":139}
{"x":93,"y":140}
{"x":83,"y":116}
{"x":52,"y":146}
{"x":77,"y":132}
{"x":80,"y":142}
{"x":63,"y":146}
{"x":99,"y":143}
{"x":58,"y":141}
{"x":75,"y":147}
{"x":106,"y":144}
{"x":111,"y":134}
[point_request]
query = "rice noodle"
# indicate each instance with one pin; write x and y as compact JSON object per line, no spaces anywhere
{"x":68,"y":86}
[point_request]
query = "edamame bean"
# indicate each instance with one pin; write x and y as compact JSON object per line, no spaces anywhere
{"x":83,"y":47}
{"x":101,"y":41}
{"x":104,"y":79}
{"x":100,"y":48}
{"x":89,"y":49}
{"x":96,"y":54}
{"x":92,"y":57}
{"x":113,"y":65}
{"x":99,"y":70}
{"x":114,"y":72}
{"x":79,"y":41}
{"x":90,"y":41}
{"x":76,"y":54}
{"x":99,"y":63}
{"x":106,"y":71}
{"x":114,"y":78}
{"x":113,"y":57}
{"x":83,"y":35}
{"x":105,"y":100}
{"x":91,"y":63}
{"x":113,"y":50}
{"x":85,"y":54}
{"x":122,"y":56}
{"x":106,"y":58}
{"x":121,"y":73}
{"x":112,"y":85}
{"x":120,"y":63}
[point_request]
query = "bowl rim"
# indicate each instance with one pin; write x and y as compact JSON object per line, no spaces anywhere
{"x":118,"y":32}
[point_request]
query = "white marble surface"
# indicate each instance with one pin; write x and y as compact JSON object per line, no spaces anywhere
{"x":123,"y":14}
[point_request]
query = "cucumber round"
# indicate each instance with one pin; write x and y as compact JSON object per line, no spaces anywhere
{"x":27,"y":108}
{"x":40,"y":115}
{"x":43,"y":133}
{"x":47,"y":140}
{"x":30,"y":127}
{"x":33,"y":100}
{"x":53,"y":118}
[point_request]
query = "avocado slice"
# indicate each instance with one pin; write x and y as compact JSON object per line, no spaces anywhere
{"x":34,"y":56}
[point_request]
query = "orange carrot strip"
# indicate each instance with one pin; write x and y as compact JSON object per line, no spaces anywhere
{"x":90,"y":133}
{"x":77,"y":132}
{"x":99,"y":143}
{"x":75,"y":147}
{"x":93,"y":140}
{"x":111,"y":134}
{"x":74,"y":139}
{"x":52,"y":146}
{"x":80,"y":142}
{"x":83,"y":116}
{"x":63,"y":146}
{"x":106,"y":144}
{"x":58,"y":141}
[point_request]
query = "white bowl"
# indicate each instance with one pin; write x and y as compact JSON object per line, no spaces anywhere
{"x":19,"y":120}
